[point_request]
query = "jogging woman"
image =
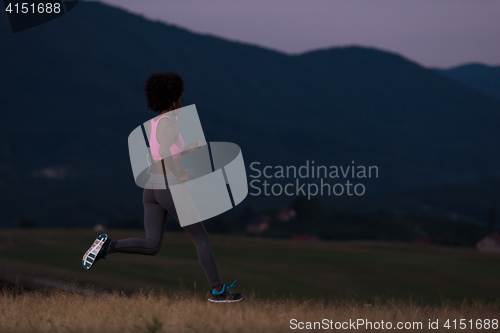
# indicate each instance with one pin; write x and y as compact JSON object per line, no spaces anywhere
{"x":164,"y":95}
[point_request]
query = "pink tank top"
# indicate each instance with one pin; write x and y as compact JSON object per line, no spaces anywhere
{"x":176,"y":149}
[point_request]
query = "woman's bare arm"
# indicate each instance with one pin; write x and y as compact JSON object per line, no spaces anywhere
{"x":195,"y":145}
{"x":166,"y":134}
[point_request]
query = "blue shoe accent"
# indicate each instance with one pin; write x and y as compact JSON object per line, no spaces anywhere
{"x":215,"y":292}
{"x":94,"y":253}
{"x":233,"y":284}
{"x":86,"y":265}
{"x":224,"y":288}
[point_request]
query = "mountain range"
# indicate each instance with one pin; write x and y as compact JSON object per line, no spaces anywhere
{"x":481,"y":77}
{"x":72,"y":91}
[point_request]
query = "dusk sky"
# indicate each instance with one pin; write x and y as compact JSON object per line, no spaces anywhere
{"x":433,"y":33}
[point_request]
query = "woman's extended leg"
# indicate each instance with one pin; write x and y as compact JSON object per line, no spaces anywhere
{"x":154,"y":224}
{"x":199,"y":236}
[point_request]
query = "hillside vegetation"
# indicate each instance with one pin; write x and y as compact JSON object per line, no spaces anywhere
{"x":427,"y":274}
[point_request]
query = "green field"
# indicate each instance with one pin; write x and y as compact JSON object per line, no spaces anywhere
{"x":366,"y":271}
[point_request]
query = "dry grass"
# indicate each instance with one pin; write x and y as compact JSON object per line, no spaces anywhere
{"x":150,"y":311}
{"x":267,"y":266}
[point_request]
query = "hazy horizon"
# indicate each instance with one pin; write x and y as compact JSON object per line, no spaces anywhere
{"x":432,"y":33}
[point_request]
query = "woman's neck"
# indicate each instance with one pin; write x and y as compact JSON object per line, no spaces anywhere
{"x":165,"y":111}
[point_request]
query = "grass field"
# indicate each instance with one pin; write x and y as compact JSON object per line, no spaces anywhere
{"x":58,"y":311}
{"x":364,"y":271}
{"x":282,"y":280}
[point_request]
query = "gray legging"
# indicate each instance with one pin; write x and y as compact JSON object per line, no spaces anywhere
{"x":157,"y":204}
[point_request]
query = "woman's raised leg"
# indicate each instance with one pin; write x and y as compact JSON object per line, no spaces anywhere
{"x":155,"y":217}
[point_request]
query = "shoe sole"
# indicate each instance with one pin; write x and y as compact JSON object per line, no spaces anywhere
{"x":237,"y":300}
{"x":89,"y":256}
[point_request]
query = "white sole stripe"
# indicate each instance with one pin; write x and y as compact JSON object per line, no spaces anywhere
{"x":94,"y":250}
{"x":232,"y":301}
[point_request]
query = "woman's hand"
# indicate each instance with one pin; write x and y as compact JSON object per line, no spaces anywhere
{"x":196,"y":144}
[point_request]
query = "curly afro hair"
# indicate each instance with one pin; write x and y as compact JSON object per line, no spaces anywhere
{"x":162,"y":90}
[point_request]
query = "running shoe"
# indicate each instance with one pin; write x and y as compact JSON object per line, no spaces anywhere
{"x":98,"y":250}
{"x":225,"y":296}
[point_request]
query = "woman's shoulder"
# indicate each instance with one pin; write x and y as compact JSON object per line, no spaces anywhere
{"x":162,"y":117}
{"x":167,"y":124}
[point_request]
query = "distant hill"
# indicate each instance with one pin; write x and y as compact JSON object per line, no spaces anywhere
{"x":71,"y":92}
{"x":476,"y":201}
{"x":481,"y":77}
